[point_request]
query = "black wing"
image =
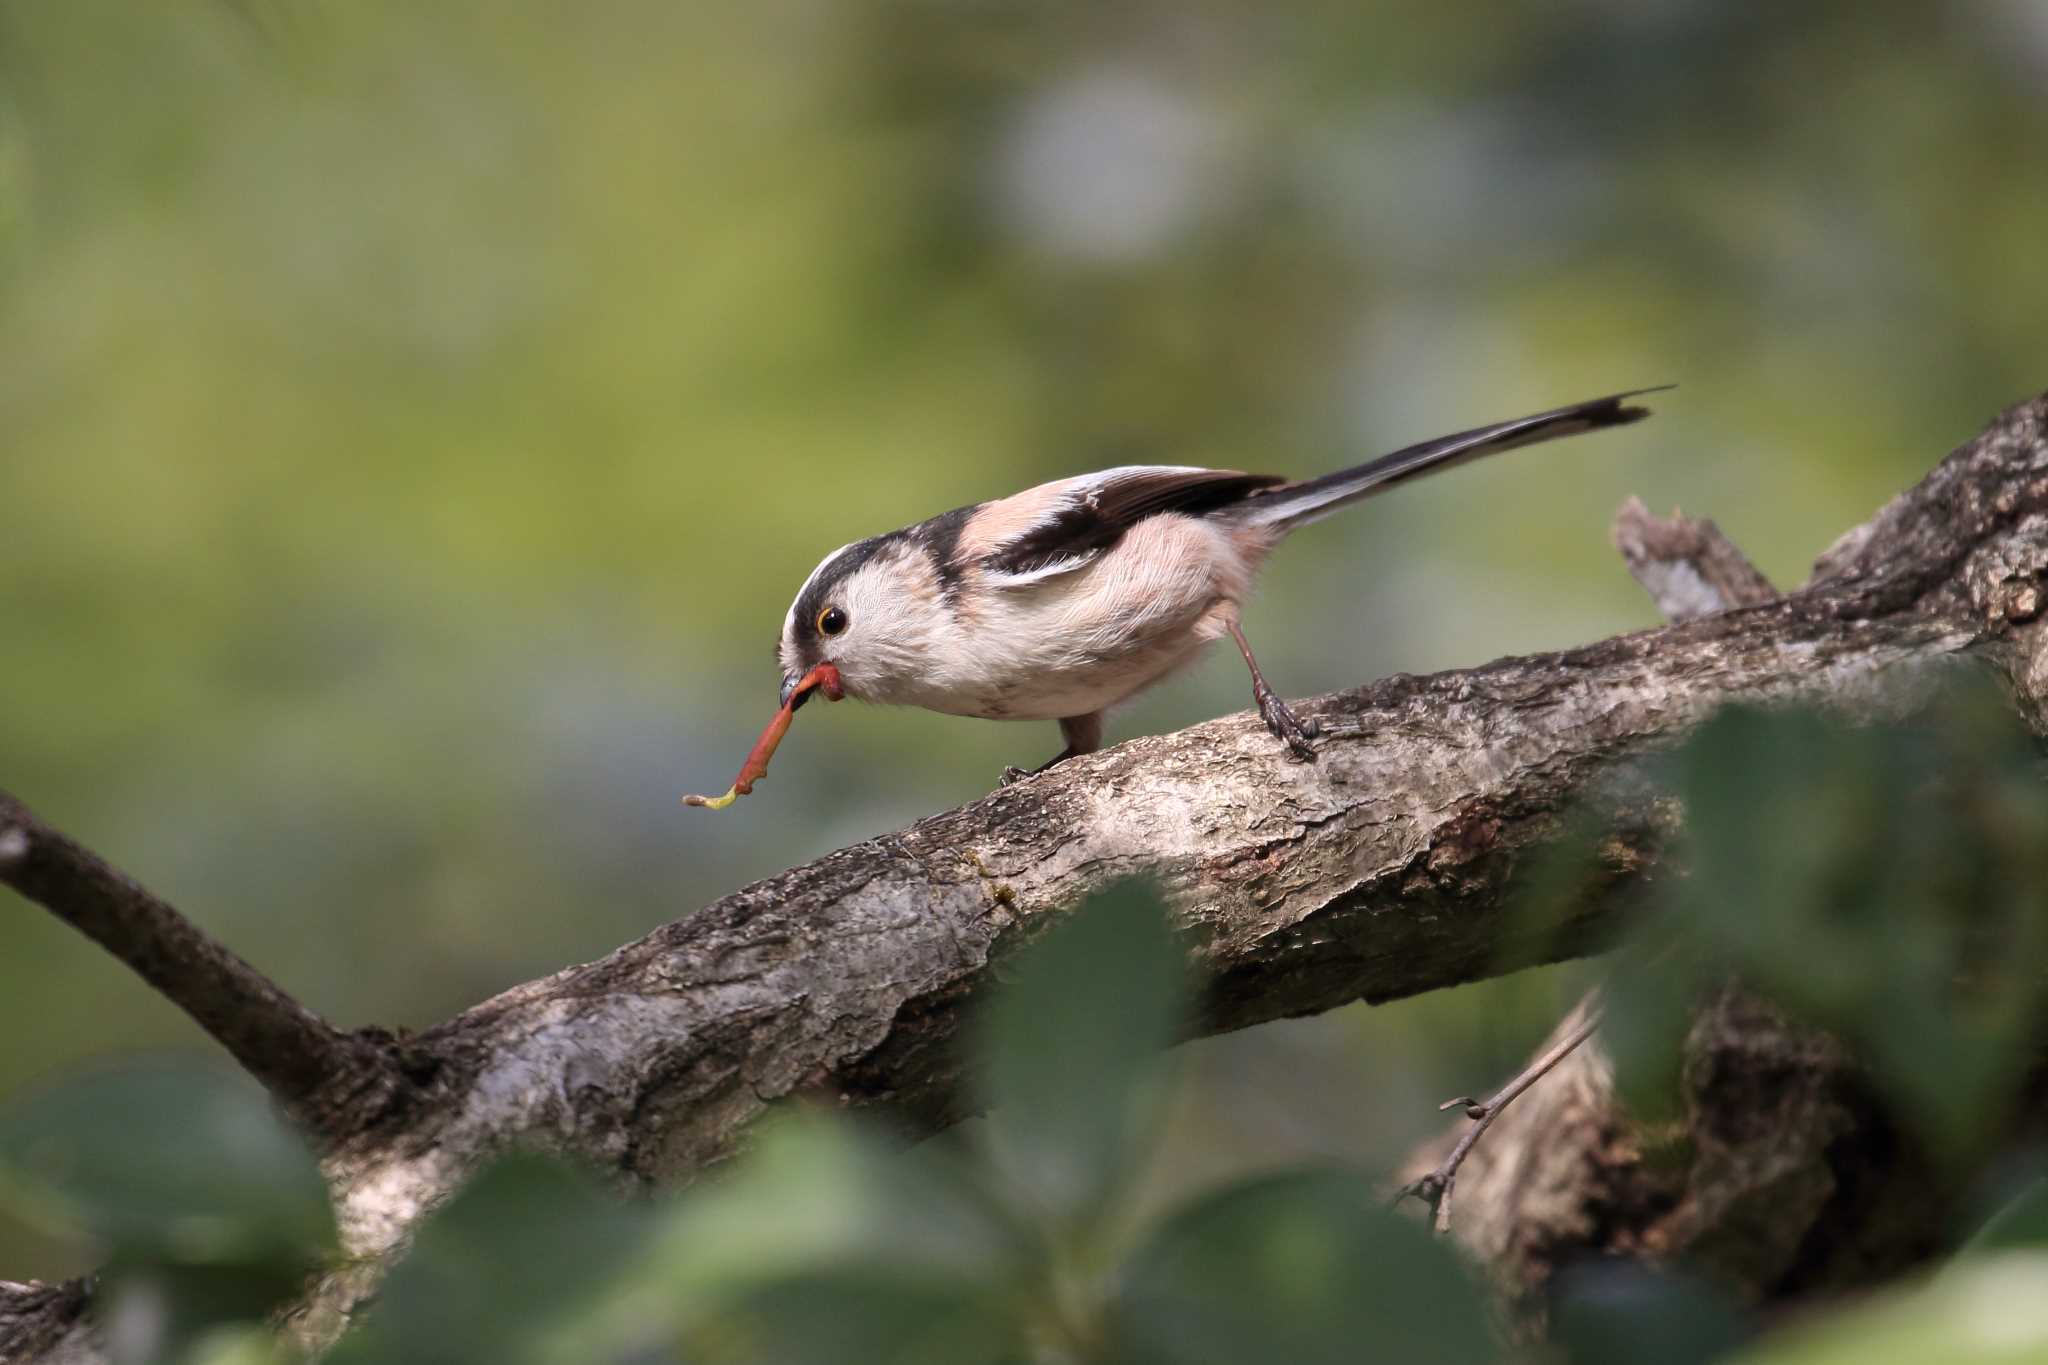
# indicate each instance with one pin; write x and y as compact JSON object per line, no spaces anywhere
{"x":1070,"y":522}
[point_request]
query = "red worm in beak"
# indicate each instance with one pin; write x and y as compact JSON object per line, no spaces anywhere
{"x":824,"y":678}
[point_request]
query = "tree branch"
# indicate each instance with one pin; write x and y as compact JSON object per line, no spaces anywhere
{"x":46,"y":1323}
{"x":1796,"y":1179}
{"x":1381,"y":870}
{"x":303,"y":1061}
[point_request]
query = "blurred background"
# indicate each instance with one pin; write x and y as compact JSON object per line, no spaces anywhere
{"x":414,"y":420}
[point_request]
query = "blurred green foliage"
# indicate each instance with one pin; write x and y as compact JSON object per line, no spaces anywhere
{"x":1990,"y":1310}
{"x":1619,"y":1312}
{"x":207,"y":1212}
{"x":1889,"y":883}
{"x":417,"y":417}
{"x":1020,"y":1239}
{"x":1015,"y":1241}
{"x":1069,"y":1048}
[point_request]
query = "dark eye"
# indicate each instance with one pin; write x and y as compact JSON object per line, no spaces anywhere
{"x":831,"y":621}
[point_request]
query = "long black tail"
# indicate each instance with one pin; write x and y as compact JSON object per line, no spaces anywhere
{"x":1297,"y":504}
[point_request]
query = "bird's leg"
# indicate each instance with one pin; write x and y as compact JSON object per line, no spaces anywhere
{"x":1083,"y":735}
{"x":1280,"y":720}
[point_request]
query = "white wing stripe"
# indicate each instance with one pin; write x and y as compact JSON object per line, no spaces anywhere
{"x":1000,"y":579}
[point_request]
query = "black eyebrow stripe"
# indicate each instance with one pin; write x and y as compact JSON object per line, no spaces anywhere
{"x":940,"y":538}
{"x":816,"y":597}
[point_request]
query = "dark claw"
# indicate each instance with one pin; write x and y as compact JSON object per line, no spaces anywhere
{"x":1284,"y":726}
{"x":1015,"y":774}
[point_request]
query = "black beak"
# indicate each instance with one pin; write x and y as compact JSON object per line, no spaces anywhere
{"x":788,"y":686}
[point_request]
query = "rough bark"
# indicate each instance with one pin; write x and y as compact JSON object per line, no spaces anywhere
{"x":1686,"y":565}
{"x":1381,"y":870}
{"x":46,"y":1323}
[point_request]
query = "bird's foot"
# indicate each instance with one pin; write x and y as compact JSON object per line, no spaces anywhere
{"x":1297,"y":734}
{"x":1015,"y":774}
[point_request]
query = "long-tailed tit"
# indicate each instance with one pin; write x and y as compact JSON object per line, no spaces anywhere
{"x":1058,"y":602}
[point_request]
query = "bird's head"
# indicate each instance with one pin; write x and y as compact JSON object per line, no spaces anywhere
{"x":872,"y":610}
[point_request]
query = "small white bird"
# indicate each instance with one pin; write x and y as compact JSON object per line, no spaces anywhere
{"x":1061,"y":601}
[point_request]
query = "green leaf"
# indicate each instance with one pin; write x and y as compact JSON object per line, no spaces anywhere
{"x":253,"y":1345}
{"x":818,"y":1193}
{"x":2020,"y":1221}
{"x":868,"y":1314}
{"x":512,"y":1267}
{"x":1650,"y":996}
{"x":175,"y":1164}
{"x":1071,"y":1053}
{"x":1988,"y":1311}
{"x":1306,"y":1268}
{"x":212,"y":1211}
{"x":1623,"y":1313}
{"x":1884,"y":883}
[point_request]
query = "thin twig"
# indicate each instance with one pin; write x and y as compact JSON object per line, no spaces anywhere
{"x":292,"y":1051}
{"x":1434,"y":1189}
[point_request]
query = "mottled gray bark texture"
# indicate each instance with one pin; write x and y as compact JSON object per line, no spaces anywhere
{"x":1383,"y":869}
{"x":47,"y":1324}
{"x":1686,"y":565}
